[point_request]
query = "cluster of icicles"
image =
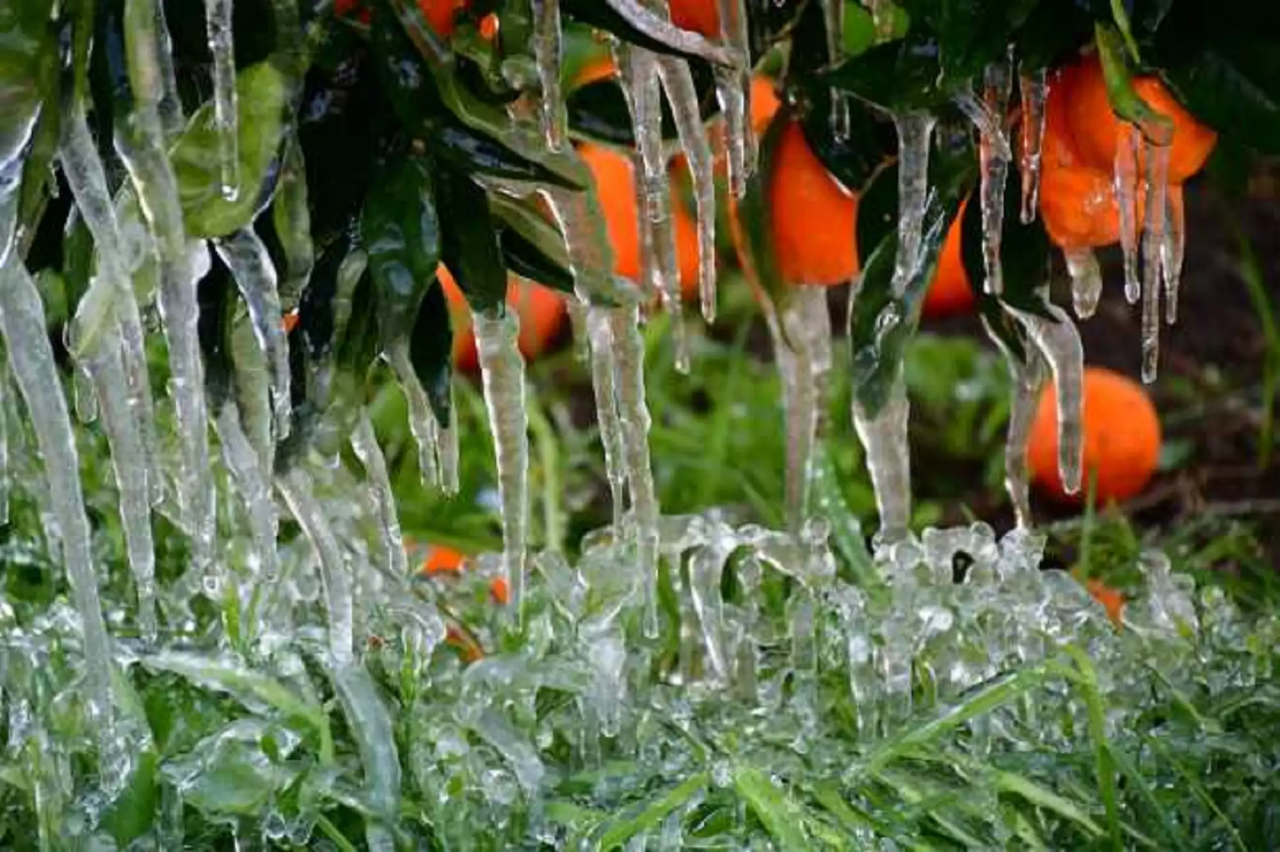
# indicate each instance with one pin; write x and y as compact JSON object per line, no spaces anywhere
{"x":107,"y":337}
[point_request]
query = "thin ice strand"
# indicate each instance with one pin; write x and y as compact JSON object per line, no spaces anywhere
{"x":602,"y":384}
{"x":243,"y":462}
{"x":1172,"y":251}
{"x":1153,"y":249}
{"x":884,"y":439}
{"x":733,"y":90}
{"x":994,"y":156}
{"x":1059,"y":342}
{"x":1125,"y":180}
{"x":502,"y":376}
{"x":547,"y":53}
{"x":659,"y":28}
{"x":364,"y":441}
{"x":677,"y":80}
{"x":1033,"y":89}
{"x":914,"y":131}
{"x":1086,"y":280}
{"x":225,"y":119}
{"x":833,"y":18}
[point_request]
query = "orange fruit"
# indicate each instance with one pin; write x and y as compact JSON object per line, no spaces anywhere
{"x":813,"y":216}
{"x":1121,"y":439}
{"x":442,"y":560}
{"x":950,"y":292}
{"x":701,"y":16}
{"x":1112,"y":600}
{"x":1096,"y":128}
{"x":440,"y":14}
{"x":614,"y":178}
{"x":764,"y":102}
{"x":541,"y":311}
{"x":601,"y":69}
{"x":290,"y":321}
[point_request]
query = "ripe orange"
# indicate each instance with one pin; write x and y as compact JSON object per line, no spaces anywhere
{"x":813,"y":216}
{"x":541,"y":311}
{"x":442,"y":560}
{"x":1112,"y":600}
{"x":1121,"y":439}
{"x":440,"y":14}
{"x":615,"y":185}
{"x":950,"y":292}
{"x":701,"y":16}
{"x":764,"y":102}
{"x":1096,"y":128}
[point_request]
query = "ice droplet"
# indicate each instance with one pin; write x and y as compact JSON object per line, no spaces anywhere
{"x":1033,"y":90}
{"x":502,"y":374}
{"x":218,"y":16}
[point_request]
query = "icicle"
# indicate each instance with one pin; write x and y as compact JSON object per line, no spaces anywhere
{"x":106,"y":367}
{"x":217,"y":16}
{"x":4,"y":441}
{"x":733,"y":89}
{"x":1059,"y":342}
{"x":86,"y":176}
{"x":252,"y":388}
{"x":802,"y":344}
{"x":1125,"y":180}
{"x":295,"y":487}
{"x":365,"y":444}
{"x":1171,"y":252}
{"x":914,"y":130}
{"x":833,"y":17}
{"x":1026,"y":380}
{"x":170,"y":104}
{"x":422,"y":420}
{"x":447,"y":449}
{"x":141,"y":144}
{"x":884,"y":439}
{"x":705,"y":569}
{"x":547,"y":52}
{"x":22,"y":321}
{"x":1086,"y":280}
{"x":1153,"y":250}
{"x":1033,"y":89}
{"x":677,"y":80}
{"x":633,"y":414}
{"x":375,"y":736}
{"x":581,"y":334}
{"x":502,"y":374}
{"x":602,"y":383}
{"x":292,"y":219}
{"x":638,"y":72}
{"x":659,"y":28}
{"x":993,"y":157}
{"x":246,"y":257}
{"x":243,"y":462}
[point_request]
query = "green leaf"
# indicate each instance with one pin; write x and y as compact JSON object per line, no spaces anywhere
{"x":131,"y":815}
{"x":262,"y":99}
{"x":854,"y":159}
{"x":431,"y":349}
{"x":401,"y":235}
{"x":533,"y":247}
{"x":1024,"y":253}
{"x":628,"y":824}
{"x":1126,"y":103}
{"x":894,"y":76}
{"x":754,"y":212}
{"x":470,"y":242}
{"x":782,"y":815}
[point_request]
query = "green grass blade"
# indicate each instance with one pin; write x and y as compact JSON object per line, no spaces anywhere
{"x":780,"y":814}
{"x":1087,"y":682}
{"x":1043,"y":797}
{"x":623,"y":829}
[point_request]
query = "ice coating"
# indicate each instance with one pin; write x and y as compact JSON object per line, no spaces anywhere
{"x":364,"y":441}
{"x":252,"y":486}
{"x":217,"y":14}
{"x":1026,"y":377}
{"x":833,"y":18}
{"x":802,"y":345}
{"x":1125,"y":180}
{"x":657,"y":25}
{"x":993,"y":161}
{"x":246,"y":257}
{"x":733,"y":90}
{"x":603,"y":386}
{"x":1033,"y":90}
{"x":502,"y":374}
{"x":884,"y":440}
{"x":1172,"y":251}
{"x":371,"y":725}
{"x":915,"y":128}
{"x":1153,"y":252}
{"x":422,"y":420}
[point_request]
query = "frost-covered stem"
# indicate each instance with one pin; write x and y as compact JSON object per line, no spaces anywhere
{"x":375,"y":737}
{"x":1086,"y":280}
{"x":141,"y":144}
{"x":170,"y":105}
{"x":884,"y":439}
{"x":1034,"y":91}
{"x":993,"y":157}
{"x":833,"y":18}
{"x":1059,"y":342}
{"x":22,"y":321}
{"x":733,"y":90}
{"x":1125,"y":181}
{"x":502,"y":374}
{"x":914,"y":131}
{"x":547,"y":54}
{"x":364,"y":441}
{"x":1172,"y":251}
{"x":296,"y":489}
{"x":87,"y":178}
{"x":1153,"y":251}
{"x":106,"y":367}
{"x":217,"y":16}
{"x":602,"y":383}
{"x":628,"y":354}
{"x":677,"y":80}
{"x":246,"y":257}
{"x":242,"y":461}
{"x":292,"y":218}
